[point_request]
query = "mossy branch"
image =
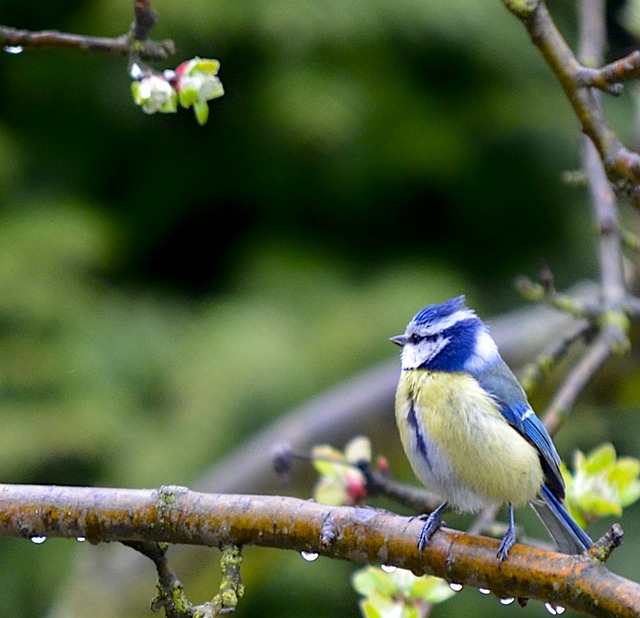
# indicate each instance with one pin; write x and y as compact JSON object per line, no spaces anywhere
{"x":361,"y":535}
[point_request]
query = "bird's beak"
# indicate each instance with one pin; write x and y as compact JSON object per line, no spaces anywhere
{"x":399,"y":340}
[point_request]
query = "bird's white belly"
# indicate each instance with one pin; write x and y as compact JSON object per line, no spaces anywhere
{"x":437,"y":474}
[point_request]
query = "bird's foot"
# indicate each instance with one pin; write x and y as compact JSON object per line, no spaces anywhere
{"x":432,"y":523}
{"x":509,"y":539}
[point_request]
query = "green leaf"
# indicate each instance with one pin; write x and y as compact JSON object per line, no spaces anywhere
{"x":188,"y":97}
{"x":358,"y":449}
{"x":431,"y":589}
{"x":579,"y":462}
{"x":601,"y":458}
{"x":576,"y":512}
{"x":363,"y":581}
{"x":370,"y":579}
{"x":409,"y":611}
{"x":599,"y":505}
{"x":399,"y":594}
{"x":215,"y":90}
{"x":381,"y":607}
{"x":330,"y":491}
{"x":208,"y":66}
{"x":201,"y":110}
{"x":373,"y":579}
{"x":602,"y":485}
{"x":369,"y":610}
{"x":624,"y":472}
{"x":630,"y":494}
{"x":328,"y":461}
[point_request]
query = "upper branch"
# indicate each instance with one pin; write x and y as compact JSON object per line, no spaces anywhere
{"x":622,"y":165}
{"x":119,"y":46}
{"x":360,"y":534}
{"x":28,"y":39}
{"x":137,"y":40}
{"x":613,"y":321}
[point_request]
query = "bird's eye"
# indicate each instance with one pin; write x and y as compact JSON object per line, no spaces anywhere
{"x":414,"y":339}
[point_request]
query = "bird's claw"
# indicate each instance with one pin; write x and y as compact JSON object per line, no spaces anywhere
{"x":433,"y":522}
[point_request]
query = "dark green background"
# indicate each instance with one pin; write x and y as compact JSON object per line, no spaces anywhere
{"x":167,"y":290}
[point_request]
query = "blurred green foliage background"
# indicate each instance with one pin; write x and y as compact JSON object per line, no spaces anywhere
{"x":167,"y":289}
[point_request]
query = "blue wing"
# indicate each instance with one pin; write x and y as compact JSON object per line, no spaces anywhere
{"x":498,"y":380}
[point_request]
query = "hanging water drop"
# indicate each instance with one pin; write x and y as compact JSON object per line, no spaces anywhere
{"x":389,"y":568}
{"x":38,"y":540}
{"x":484,"y":591}
{"x":309,"y":556}
{"x":135,"y":71}
{"x":554,"y":610}
{"x":455,"y":586}
{"x":507,"y":601}
{"x":13,"y":49}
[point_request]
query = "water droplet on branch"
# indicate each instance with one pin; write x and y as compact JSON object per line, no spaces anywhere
{"x":554,"y":610}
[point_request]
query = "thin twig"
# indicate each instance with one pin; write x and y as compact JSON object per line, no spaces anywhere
{"x":542,"y":365}
{"x":135,"y":42}
{"x":539,"y":292}
{"x":608,"y":77}
{"x":576,"y":381}
{"x":170,"y":597}
{"x":118,"y":46}
{"x":28,"y":39}
{"x":413,"y":497}
{"x":592,"y":28}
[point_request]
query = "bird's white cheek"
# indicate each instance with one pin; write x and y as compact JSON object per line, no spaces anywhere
{"x":414,"y":356}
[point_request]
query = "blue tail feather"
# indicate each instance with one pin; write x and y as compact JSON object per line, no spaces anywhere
{"x":570,"y":538}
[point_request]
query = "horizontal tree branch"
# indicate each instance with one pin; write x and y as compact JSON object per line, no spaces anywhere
{"x":119,"y":46}
{"x":358,"y":534}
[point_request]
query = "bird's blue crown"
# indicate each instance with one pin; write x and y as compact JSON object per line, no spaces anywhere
{"x":445,"y":337}
{"x":432,"y":314}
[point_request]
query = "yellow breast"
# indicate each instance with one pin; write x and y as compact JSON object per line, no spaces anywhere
{"x":460,"y":445}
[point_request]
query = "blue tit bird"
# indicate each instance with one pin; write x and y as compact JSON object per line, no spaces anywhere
{"x":469,"y":431}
